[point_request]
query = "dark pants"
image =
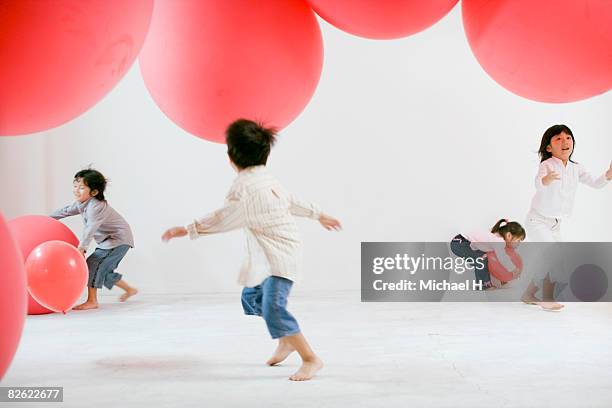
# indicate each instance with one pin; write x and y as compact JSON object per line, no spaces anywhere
{"x":461,"y":247}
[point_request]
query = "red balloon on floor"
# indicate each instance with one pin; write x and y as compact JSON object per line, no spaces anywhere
{"x":545,"y":50}
{"x":32,"y":230}
{"x":59,"y":58}
{"x":57,"y":274}
{"x":12,"y":296}
{"x":208,"y":63}
{"x":380,"y":20}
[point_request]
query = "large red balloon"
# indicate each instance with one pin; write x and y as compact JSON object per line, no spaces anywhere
{"x":208,"y":63}
{"x":12,"y":296}
{"x":60,"y":57}
{"x":497,"y":269}
{"x":32,"y":230}
{"x":382,"y":20}
{"x":57,"y":274}
{"x":545,"y":50}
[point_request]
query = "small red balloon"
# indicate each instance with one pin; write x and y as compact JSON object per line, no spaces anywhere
{"x":57,"y":274}
{"x":12,"y":296}
{"x":32,"y":230}
{"x":546,"y":50}
{"x":382,"y":20}
{"x":59,"y":58}
{"x":208,"y":63}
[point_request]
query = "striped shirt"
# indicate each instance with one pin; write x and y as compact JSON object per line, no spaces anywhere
{"x":259,"y":205}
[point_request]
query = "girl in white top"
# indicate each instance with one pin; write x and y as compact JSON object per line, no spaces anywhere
{"x":556,"y":183}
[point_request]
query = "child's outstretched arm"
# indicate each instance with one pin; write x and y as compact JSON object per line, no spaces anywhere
{"x":307,"y":209}
{"x":587,"y":178}
{"x":67,"y":211}
{"x":228,"y":218}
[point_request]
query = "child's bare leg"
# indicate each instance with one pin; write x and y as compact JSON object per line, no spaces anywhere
{"x":129,"y":290}
{"x":282,"y":352}
{"x":311,"y":363}
{"x":529,"y":294}
{"x":91,"y":302}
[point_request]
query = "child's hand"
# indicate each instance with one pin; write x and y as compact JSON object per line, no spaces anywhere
{"x":82,"y":251}
{"x":496,"y":283}
{"x":329,"y":223}
{"x":174,"y":232}
{"x":609,"y":172}
{"x":550,"y":176}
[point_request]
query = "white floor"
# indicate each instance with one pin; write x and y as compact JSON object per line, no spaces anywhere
{"x":200,"y":351}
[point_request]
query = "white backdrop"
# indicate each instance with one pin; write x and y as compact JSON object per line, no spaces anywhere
{"x":405,"y":140}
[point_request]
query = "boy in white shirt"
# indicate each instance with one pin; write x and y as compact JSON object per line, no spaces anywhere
{"x":258,"y":204}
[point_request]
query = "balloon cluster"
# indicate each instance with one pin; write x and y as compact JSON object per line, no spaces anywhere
{"x":56,"y":271}
{"x":207,"y":63}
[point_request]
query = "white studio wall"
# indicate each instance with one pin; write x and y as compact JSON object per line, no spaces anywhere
{"x":404,"y":140}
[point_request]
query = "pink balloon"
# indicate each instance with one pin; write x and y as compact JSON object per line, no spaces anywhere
{"x":208,"y":63}
{"x":57,"y":274}
{"x":382,"y":20}
{"x":498,"y":270}
{"x":32,"y":230}
{"x":545,"y":50}
{"x":12,"y":296}
{"x":59,"y":58}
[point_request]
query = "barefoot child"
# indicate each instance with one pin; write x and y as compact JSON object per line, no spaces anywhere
{"x":264,"y":210}
{"x":556,"y":184}
{"x":110,"y":231}
{"x":476,"y":244}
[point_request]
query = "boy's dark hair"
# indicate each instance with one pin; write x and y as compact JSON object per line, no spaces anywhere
{"x":547,"y":137}
{"x":514,"y":228}
{"x":249,"y":143}
{"x":94,"y":180}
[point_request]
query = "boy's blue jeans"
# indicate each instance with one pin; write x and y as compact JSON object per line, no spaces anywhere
{"x":269,"y":300}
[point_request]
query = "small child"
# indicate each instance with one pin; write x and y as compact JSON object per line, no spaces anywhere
{"x":259,"y":205}
{"x":556,"y":184}
{"x":110,"y":231}
{"x":476,"y":245}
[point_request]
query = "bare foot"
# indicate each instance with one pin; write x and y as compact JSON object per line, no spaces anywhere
{"x":529,"y":299}
{"x":128,"y":294}
{"x":307,"y":370}
{"x":86,"y":306}
{"x":281,"y":353}
{"x":550,"y":306}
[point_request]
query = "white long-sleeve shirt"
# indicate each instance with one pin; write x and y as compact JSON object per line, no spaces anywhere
{"x":488,"y":242}
{"x":556,"y":200}
{"x":257,"y":203}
